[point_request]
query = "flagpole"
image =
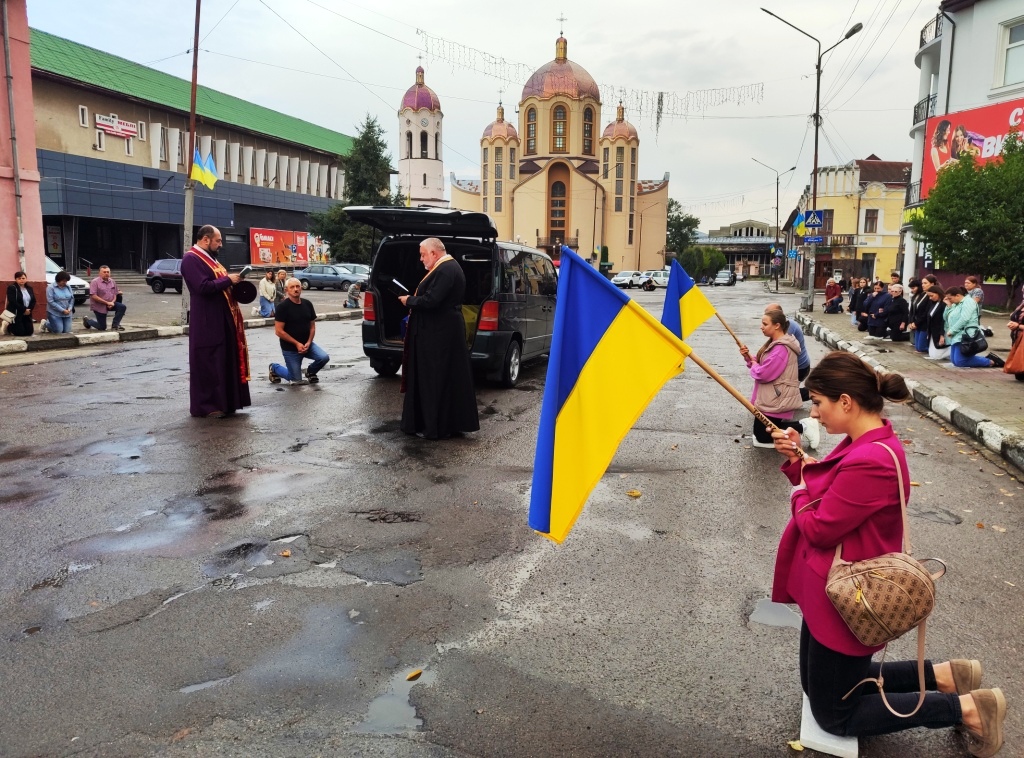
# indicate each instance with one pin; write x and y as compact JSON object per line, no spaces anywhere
{"x":739,"y":396}
{"x":190,"y":185}
{"x":728,"y":329}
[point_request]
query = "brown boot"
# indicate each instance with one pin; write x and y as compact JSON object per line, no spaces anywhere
{"x":966,"y":675}
{"x":991,"y":707}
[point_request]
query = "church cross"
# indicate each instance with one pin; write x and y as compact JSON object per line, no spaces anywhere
{"x":561,"y":24}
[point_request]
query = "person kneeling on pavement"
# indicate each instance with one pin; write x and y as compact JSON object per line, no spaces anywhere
{"x":897,"y":314}
{"x":353,"y":295}
{"x":104,"y":298}
{"x":295,"y":327}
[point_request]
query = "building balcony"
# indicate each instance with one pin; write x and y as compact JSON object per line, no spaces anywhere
{"x":840,"y":240}
{"x":543,"y":242}
{"x":913,"y":194}
{"x":931,"y":31}
{"x":925,"y":109}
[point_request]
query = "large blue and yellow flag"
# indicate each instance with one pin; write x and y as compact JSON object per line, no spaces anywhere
{"x":197,"y":167}
{"x":686,"y":307}
{"x":798,"y":225}
{"x":608,"y":359}
{"x":204,"y":172}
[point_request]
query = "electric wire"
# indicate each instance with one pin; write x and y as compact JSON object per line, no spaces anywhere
{"x":839,"y":87}
{"x":218,"y":22}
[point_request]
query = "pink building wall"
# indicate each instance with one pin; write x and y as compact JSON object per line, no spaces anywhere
{"x":31,"y":211}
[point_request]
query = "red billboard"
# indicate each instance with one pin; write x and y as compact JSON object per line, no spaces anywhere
{"x":980,"y":132}
{"x":277,"y":247}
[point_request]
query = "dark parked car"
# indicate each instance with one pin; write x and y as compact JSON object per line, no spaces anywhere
{"x":725,"y":277}
{"x":163,"y":274}
{"x":509,"y":304}
{"x":334,"y":276}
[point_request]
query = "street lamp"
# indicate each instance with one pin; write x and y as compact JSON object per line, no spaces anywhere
{"x":777,"y":175}
{"x":817,"y":124}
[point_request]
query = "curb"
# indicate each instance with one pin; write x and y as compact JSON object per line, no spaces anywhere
{"x":88,"y":339}
{"x":996,"y":438}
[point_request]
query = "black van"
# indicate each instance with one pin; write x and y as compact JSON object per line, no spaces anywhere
{"x":510,"y":288}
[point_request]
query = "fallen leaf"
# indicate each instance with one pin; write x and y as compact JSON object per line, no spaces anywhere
{"x":479,"y":710}
{"x":623,"y":476}
{"x":915,"y":484}
{"x":998,"y":473}
{"x":1009,"y":583}
{"x":674,"y":447}
{"x":795,"y":744}
{"x":634,"y":493}
{"x":980,"y":525}
{"x":999,"y":529}
{"x":181,"y":734}
{"x":285,"y":554}
{"x":414,"y":675}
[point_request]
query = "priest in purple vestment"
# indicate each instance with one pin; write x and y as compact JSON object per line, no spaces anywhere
{"x":218,"y":355}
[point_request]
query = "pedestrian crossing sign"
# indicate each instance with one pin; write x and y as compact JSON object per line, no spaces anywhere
{"x":813,"y":220}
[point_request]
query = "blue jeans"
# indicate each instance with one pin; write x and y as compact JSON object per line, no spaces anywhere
{"x":58,"y":323}
{"x":100,"y":322}
{"x":921,"y":340}
{"x":967,"y":361}
{"x":293,"y":362}
{"x":266,"y":307}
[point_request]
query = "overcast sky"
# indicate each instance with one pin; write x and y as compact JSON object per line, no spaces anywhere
{"x":348,"y":58}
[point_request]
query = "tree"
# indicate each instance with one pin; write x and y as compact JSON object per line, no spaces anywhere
{"x":973,"y":219}
{"x":367,"y":182}
{"x":701,"y":260}
{"x":682,"y":228}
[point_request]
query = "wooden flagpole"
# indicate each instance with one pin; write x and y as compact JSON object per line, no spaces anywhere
{"x":728,"y":329}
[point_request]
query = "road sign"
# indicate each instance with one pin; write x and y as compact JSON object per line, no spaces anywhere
{"x":813,"y":240}
{"x":813,"y":220}
{"x":791,"y":254}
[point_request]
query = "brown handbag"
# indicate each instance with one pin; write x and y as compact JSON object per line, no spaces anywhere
{"x":883,"y":598}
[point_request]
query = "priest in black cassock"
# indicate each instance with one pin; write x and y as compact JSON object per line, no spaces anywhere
{"x":438,"y":379}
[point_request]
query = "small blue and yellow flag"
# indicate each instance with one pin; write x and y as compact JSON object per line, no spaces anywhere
{"x":209,"y":172}
{"x":197,"y":167}
{"x":798,"y":226}
{"x":608,"y":359}
{"x":686,"y":307}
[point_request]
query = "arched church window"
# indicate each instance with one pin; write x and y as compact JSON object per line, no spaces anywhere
{"x":559,"y":129}
{"x":531,"y":131}
{"x":588,"y":131}
{"x":408,"y":144}
{"x":557,"y":210}
{"x":423,"y":145}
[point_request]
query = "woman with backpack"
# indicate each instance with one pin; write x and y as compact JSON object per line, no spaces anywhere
{"x":850,"y":498}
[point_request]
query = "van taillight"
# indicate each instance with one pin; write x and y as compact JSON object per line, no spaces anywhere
{"x":369,"y":314}
{"x":488,"y":317}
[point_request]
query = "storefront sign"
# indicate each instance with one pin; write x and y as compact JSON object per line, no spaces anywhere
{"x":979,"y":131}
{"x":272,"y":247}
{"x":117,"y":127}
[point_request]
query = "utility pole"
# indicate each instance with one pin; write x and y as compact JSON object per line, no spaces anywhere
{"x":777,"y":175}
{"x":190,"y":185}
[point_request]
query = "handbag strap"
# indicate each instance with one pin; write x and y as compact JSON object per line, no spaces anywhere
{"x":903,"y":509}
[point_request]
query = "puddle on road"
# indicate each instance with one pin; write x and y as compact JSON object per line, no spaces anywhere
{"x":399,"y":567}
{"x":61,"y":575}
{"x":238,"y":559}
{"x":775,"y":614}
{"x":317,"y":654}
{"x":392,"y":713}
{"x":130,"y":448}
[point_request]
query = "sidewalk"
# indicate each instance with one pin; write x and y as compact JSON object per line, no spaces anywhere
{"x":132,"y":333}
{"x":982,"y":402}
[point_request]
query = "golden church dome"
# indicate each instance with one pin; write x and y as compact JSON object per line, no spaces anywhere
{"x":620,"y":127}
{"x":561,"y":77}
{"x":500,"y":127}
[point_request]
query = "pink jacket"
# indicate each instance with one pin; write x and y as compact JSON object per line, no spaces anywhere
{"x":851,"y":497}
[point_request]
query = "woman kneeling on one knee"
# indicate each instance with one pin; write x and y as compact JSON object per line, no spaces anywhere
{"x":959,"y":318}
{"x":850,"y":497}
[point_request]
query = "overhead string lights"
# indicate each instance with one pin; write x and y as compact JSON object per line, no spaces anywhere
{"x":640,"y":104}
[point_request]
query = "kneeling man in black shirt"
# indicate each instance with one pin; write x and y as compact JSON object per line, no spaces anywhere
{"x":295,"y":326}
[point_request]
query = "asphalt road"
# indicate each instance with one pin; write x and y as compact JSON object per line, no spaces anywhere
{"x":263,"y":585}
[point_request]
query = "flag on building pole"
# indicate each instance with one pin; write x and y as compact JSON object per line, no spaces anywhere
{"x":686,"y":307}
{"x":197,"y":167}
{"x":798,"y":226}
{"x":608,"y":359}
{"x":209,"y":172}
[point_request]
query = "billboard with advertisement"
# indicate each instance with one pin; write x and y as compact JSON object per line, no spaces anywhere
{"x":979,"y":131}
{"x":278,"y":247}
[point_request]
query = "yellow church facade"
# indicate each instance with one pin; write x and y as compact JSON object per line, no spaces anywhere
{"x":557,"y":180}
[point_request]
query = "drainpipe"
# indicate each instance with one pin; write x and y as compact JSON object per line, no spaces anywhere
{"x":949,"y":68}
{"x":14,"y":138}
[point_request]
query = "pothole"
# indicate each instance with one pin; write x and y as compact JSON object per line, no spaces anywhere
{"x":384,"y":516}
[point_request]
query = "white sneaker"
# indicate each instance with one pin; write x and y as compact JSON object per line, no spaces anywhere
{"x":812,"y":432}
{"x":755,"y":443}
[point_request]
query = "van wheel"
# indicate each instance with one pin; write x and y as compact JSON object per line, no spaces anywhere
{"x":510,"y":369}
{"x":305,"y":284}
{"x":158,"y":286}
{"x":386,"y":368}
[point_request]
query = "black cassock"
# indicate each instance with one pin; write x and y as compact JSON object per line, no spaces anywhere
{"x":439,"y":396}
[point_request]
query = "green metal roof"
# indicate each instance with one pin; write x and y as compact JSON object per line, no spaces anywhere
{"x":88,"y":65}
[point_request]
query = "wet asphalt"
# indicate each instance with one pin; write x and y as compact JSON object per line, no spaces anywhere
{"x":263,"y":585}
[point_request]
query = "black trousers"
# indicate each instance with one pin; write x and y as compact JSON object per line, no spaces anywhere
{"x":826,"y":676}
{"x":761,"y":433}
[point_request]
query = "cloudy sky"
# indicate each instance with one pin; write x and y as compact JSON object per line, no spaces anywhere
{"x":333,"y":61}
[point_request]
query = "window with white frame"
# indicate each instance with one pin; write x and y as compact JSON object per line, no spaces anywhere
{"x":1013,"y":52}
{"x":129,"y":146}
{"x":142,"y":131}
{"x":83,"y":116}
{"x":101,"y":140}
{"x":163,"y":145}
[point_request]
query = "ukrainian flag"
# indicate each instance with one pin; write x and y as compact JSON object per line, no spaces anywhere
{"x":608,"y":359}
{"x":197,"y":167}
{"x":798,"y":226}
{"x":686,"y":307}
{"x":209,"y":172}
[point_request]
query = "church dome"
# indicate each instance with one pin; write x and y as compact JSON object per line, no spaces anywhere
{"x":500,"y":127}
{"x":420,"y":96}
{"x":620,"y":127}
{"x":561,"y":77}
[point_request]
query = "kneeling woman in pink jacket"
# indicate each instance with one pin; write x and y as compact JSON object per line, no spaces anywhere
{"x":851,"y":497}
